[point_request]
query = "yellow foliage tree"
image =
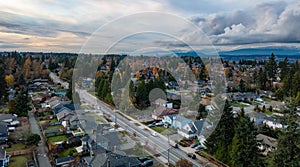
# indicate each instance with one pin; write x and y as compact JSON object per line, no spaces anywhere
{"x":27,"y":66}
{"x":9,"y":79}
{"x":137,"y":75}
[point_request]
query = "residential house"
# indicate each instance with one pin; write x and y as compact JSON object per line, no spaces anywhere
{"x":173,"y":94}
{"x":3,"y":133}
{"x":64,"y":161}
{"x":168,"y":119}
{"x":192,"y":129}
{"x":273,"y":122}
{"x":7,"y":118}
{"x":105,"y":159}
{"x":102,"y":137}
{"x":257,"y":117}
{"x":87,"y":82}
{"x":60,"y":92}
{"x":160,"y":102}
{"x":162,"y":111}
{"x":266,"y":143}
{"x":179,"y":121}
{"x":65,"y":114}
{"x":4,"y":158}
{"x":188,"y":131}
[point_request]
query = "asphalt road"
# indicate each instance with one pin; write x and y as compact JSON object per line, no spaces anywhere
{"x":159,"y":143}
{"x":42,"y":149}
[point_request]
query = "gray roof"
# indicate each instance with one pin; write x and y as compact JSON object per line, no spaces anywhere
{"x":267,"y":140}
{"x":63,"y":114}
{"x":273,"y":119}
{"x":3,"y":128}
{"x":115,"y":160}
{"x":108,"y":140}
{"x":258,"y":115}
{"x":199,"y":125}
{"x":182,"y":119}
{"x":2,"y":153}
{"x":6,"y":116}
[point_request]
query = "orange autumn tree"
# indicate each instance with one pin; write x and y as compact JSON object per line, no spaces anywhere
{"x":9,"y":79}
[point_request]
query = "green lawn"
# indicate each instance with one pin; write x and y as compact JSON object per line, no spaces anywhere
{"x":99,"y":119}
{"x":266,"y":99}
{"x":239,"y":105}
{"x":254,"y":103}
{"x":268,"y":112}
{"x":53,"y":127}
{"x":19,"y":161}
{"x":43,"y":122}
{"x":53,"y":120}
{"x":158,"y":129}
{"x":4,"y":110}
{"x":164,"y":131}
{"x":16,"y":147}
{"x":67,"y":152}
{"x":57,"y":138}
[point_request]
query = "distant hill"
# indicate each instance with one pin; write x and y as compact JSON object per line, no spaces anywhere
{"x":293,"y":54}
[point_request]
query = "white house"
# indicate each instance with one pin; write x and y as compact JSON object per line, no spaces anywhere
{"x":4,"y":158}
{"x":273,"y":123}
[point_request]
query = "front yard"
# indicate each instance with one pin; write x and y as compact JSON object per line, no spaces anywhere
{"x":164,"y":131}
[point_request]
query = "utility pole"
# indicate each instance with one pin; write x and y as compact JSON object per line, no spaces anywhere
{"x":115,"y":119}
{"x":169,"y":150}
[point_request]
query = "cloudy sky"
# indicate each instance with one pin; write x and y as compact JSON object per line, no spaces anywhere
{"x":70,"y":25}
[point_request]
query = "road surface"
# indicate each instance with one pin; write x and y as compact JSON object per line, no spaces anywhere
{"x":160,"y":143}
{"x":42,"y":149}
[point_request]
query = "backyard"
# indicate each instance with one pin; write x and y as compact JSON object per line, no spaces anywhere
{"x":57,"y":138}
{"x":19,"y":161}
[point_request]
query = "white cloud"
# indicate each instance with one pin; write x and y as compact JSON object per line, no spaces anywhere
{"x":65,"y":25}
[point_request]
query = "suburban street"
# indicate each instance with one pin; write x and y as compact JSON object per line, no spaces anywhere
{"x":159,"y":143}
{"x":41,"y":150}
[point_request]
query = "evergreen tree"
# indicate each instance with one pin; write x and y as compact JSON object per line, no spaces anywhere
{"x":284,"y":68}
{"x":21,"y":80}
{"x":220,"y":140}
{"x":2,"y":83}
{"x":244,"y":144}
{"x":262,"y":78}
{"x":201,"y":111}
{"x":271,"y":67}
{"x":242,"y":85}
{"x":21,"y":106}
{"x":141,"y":95}
{"x":100,"y":88}
{"x":296,"y":84}
{"x":287,"y":153}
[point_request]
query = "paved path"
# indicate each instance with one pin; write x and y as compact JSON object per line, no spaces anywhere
{"x":42,"y":149}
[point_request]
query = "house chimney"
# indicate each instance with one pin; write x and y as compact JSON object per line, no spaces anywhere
{"x":108,"y":163}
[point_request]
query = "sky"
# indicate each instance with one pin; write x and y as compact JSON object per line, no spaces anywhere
{"x":93,"y":26}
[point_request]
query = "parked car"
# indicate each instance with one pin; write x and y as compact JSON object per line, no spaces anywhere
{"x":142,"y":160}
{"x":191,"y":155}
{"x":199,"y":147}
{"x":154,"y":134}
{"x":175,"y":145}
{"x":159,"y":123}
{"x":151,"y":125}
{"x":194,"y":145}
{"x":147,"y":163}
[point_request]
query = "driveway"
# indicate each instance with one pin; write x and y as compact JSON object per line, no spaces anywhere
{"x":42,"y":149}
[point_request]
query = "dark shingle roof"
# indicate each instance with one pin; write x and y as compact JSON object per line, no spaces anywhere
{"x":2,"y":153}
